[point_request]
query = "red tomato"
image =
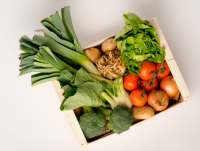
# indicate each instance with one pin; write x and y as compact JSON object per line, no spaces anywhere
{"x":149,"y":87}
{"x":130,"y":81}
{"x":147,"y":68}
{"x":135,"y":97}
{"x":165,"y":73}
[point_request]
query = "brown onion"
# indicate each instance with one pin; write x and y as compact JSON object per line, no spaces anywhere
{"x":158,"y":100}
{"x":169,"y":85}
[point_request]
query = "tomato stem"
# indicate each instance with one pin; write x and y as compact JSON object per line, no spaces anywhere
{"x":138,"y":81}
{"x":152,"y":80}
{"x":143,"y":93}
{"x":163,"y":58}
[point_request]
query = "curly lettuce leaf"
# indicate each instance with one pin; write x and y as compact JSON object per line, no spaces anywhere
{"x":138,"y":44}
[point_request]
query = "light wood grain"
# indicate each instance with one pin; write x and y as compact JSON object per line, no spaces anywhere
{"x":171,"y":61}
{"x":71,"y":117}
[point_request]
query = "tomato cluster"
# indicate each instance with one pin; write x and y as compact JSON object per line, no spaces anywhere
{"x":145,"y":82}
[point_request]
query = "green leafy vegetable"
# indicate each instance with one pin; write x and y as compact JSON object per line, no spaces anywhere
{"x":82,"y":76}
{"x":44,"y":61}
{"x":55,"y":24}
{"x":50,"y":26}
{"x":58,"y":51}
{"x":88,"y":94}
{"x":66,"y":16}
{"x":65,"y":76}
{"x":137,"y":42}
{"x":43,"y":77}
{"x":81,"y":89}
{"x":69,"y":91}
{"x":66,"y":52}
{"x":57,"y":39}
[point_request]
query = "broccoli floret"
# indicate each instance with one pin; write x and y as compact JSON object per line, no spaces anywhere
{"x":91,"y":123}
{"x":120,"y":119}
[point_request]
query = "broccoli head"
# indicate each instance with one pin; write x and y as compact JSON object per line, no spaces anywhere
{"x":91,"y":123}
{"x":120,"y":119}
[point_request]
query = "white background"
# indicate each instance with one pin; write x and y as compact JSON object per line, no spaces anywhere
{"x":30,"y":119}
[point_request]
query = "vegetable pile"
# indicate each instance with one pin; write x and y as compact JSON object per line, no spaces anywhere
{"x":109,"y":86}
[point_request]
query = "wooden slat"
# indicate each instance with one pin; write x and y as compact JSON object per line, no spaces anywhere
{"x":71,"y":117}
{"x":98,"y":43}
{"x":171,"y":62}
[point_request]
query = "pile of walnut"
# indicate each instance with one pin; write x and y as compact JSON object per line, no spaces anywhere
{"x":109,"y":64}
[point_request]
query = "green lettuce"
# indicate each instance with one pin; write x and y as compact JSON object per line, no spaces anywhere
{"x":137,"y":42}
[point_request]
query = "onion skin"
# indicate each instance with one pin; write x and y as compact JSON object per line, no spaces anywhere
{"x":169,"y":86}
{"x":158,"y":100}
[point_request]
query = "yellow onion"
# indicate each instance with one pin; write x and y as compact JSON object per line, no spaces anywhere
{"x":169,"y":86}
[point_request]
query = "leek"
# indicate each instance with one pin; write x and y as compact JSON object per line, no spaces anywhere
{"x":66,"y":16}
{"x":82,"y":60}
{"x":57,"y":39}
{"x":55,"y":24}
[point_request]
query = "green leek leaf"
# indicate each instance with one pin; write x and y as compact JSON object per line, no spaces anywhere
{"x":28,"y":61}
{"x":44,"y":70}
{"x":44,"y":80}
{"x":24,"y":55}
{"x":27,"y":48}
{"x":67,"y":21}
{"x":50,"y":27}
{"x":66,"y":52}
{"x":41,"y":64}
{"x":40,"y":76}
{"x":25,"y":70}
{"x":59,"y":25}
{"x":27,"y":40}
{"x":57,"y":39}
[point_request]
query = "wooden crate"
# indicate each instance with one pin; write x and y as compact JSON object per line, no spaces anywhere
{"x":184,"y":94}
